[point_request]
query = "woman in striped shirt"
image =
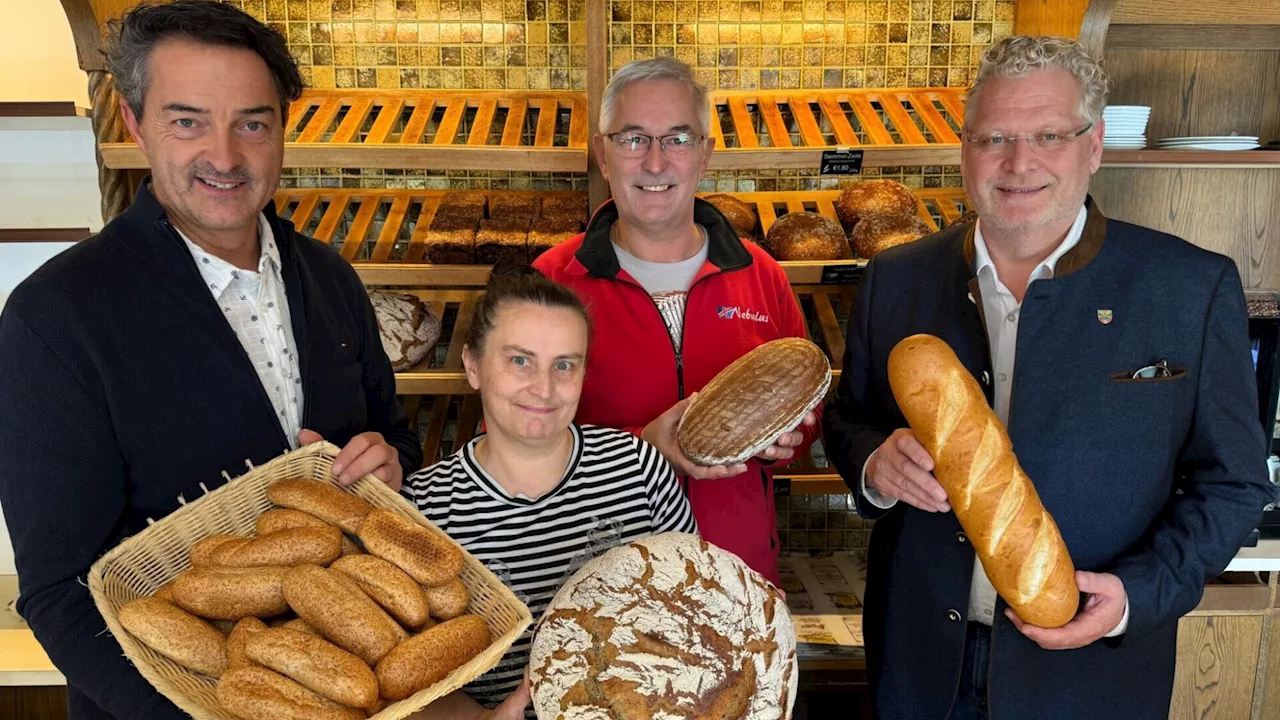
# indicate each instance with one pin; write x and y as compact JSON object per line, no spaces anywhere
{"x":537,"y":496}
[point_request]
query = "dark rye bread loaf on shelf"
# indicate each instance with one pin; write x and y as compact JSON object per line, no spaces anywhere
{"x":518,"y":208}
{"x":873,"y":196}
{"x":503,"y":239}
{"x":739,"y":213}
{"x":807,"y":236}
{"x":451,"y":236}
{"x":548,"y":232}
{"x":569,"y":207}
{"x":881,"y":231}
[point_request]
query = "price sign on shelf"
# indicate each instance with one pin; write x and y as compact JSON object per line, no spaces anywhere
{"x":841,"y":161}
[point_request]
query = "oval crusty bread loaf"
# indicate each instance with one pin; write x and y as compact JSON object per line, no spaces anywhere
{"x":283,"y":518}
{"x":285,"y":548}
{"x":807,"y":236}
{"x":747,"y":405}
{"x":316,"y":664}
{"x":176,"y":634}
{"x":879,"y":232}
{"x":425,"y":659}
{"x":327,"y":502}
{"x":256,"y":693}
{"x":448,"y":601}
{"x":739,"y":214}
{"x":997,"y":504}
{"x":667,"y":626}
{"x":873,"y":196}
{"x":428,"y":558}
{"x":335,"y":606}
{"x":209,"y":551}
{"x":165,"y":591}
{"x":221,"y":593}
{"x":239,"y":638}
{"x":389,"y":586}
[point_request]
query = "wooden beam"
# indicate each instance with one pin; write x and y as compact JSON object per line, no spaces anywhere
{"x":1195,"y":12}
{"x":1190,"y":37}
{"x":597,"y":79}
{"x":1049,"y":17}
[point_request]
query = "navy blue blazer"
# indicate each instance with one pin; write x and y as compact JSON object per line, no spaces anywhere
{"x":1157,"y":481}
{"x":124,"y":392}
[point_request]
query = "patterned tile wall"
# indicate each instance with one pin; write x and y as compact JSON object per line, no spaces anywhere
{"x":541,"y":44}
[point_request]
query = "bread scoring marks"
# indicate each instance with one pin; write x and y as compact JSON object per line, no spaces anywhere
{"x":666,"y":628}
{"x":408,"y":328}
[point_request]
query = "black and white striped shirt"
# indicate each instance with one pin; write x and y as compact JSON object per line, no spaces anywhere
{"x":616,"y":489}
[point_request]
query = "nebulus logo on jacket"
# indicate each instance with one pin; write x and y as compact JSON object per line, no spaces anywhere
{"x":731,"y":312}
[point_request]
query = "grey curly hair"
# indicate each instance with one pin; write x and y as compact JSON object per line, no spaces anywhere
{"x":1019,"y":55}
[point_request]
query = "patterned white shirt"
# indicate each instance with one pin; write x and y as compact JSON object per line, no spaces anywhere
{"x":257,"y":309}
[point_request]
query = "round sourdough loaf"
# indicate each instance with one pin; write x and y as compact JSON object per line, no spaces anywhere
{"x":666,"y":628}
{"x":747,"y":405}
{"x":869,"y":197}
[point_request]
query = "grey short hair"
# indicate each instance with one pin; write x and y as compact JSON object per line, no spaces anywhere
{"x":656,"y":68}
{"x":1019,"y":55}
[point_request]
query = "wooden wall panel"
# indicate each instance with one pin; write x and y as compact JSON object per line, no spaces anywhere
{"x":1233,"y":212}
{"x":1217,"y":664}
{"x":1049,"y":17}
{"x":1199,"y":92}
{"x":1269,"y":705}
{"x":1197,"y":12}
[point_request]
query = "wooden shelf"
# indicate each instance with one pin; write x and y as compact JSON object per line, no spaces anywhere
{"x":540,"y":131}
{"x":548,"y":131}
{"x":1239,"y":159}
{"x":383,"y":232}
{"x":791,"y":129}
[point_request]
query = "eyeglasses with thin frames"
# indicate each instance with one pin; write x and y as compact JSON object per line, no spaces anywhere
{"x":1044,"y":142}
{"x":636,"y":144}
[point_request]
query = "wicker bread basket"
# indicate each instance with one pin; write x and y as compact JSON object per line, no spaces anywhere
{"x":141,"y":564}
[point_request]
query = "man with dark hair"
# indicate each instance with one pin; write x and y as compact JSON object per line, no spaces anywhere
{"x":195,"y":333}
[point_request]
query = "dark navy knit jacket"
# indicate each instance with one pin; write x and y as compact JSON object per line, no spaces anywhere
{"x":124,"y":392}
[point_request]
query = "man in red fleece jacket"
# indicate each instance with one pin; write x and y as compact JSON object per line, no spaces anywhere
{"x":675,"y":297}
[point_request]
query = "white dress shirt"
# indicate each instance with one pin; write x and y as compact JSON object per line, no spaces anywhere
{"x":1001,"y":310}
{"x":257,"y":309}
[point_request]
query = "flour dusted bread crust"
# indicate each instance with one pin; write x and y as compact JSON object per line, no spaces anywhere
{"x":176,"y":634}
{"x":331,"y":504}
{"x":665,"y":628}
{"x":448,"y":601}
{"x":751,"y":402}
{"x":1016,"y":539}
{"x":407,"y":327}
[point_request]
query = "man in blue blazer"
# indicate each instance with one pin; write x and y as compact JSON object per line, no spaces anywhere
{"x":1117,"y":357}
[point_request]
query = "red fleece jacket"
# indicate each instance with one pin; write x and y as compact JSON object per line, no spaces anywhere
{"x":739,"y":300}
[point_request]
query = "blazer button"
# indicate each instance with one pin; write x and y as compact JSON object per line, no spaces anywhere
{"x":961,"y":538}
{"x":953,"y":615}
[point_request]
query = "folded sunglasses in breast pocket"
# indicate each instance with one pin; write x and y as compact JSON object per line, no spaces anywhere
{"x":1159,"y":372}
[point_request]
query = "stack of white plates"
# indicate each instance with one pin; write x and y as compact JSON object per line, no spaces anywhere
{"x":1212,"y":142}
{"x":1126,"y":127}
